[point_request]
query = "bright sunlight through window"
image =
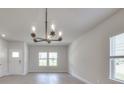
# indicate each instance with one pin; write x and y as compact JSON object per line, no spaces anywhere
{"x":43,"y":59}
{"x":48,"y":59}
{"x":117,"y":57}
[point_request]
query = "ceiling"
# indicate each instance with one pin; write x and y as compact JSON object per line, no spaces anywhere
{"x":73,"y":22}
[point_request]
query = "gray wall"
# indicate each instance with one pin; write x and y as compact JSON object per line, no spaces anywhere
{"x":62,"y":58}
{"x":89,"y":54}
{"x":26,"y":60}
{"x":3,"y":57}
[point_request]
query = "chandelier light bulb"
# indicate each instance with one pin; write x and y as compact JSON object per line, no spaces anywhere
{"x":33,"y":29}
{"x":60,"y":34}
{"x":48,"y":37}
{"x":3,"y":35}
{"x":53,"y":27}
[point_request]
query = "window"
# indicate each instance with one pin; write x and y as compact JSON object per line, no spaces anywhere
{"x":48,"y":59}
{"x":117,"y":57}
{"x":15,"y":54}
{"x":43,"y":59}
{"x":52,"y":59}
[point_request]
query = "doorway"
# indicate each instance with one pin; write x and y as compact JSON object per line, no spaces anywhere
{"x":15,"y":61}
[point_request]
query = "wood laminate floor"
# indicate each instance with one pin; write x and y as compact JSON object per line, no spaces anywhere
{"x":40,"y":78}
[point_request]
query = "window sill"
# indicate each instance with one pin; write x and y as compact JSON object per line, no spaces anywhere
{"x":117,"y":80}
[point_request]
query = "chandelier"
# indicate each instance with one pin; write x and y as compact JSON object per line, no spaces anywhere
{"x":49,"y":36}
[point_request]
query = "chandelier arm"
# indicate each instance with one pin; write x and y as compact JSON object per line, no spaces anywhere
{"x":54,"y":40}
{"x":39,"y":39}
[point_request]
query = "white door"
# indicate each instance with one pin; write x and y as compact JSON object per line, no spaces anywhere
{"x":15,"y":61}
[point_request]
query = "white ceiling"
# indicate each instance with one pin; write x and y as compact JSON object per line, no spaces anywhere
{"x":16,"y":23}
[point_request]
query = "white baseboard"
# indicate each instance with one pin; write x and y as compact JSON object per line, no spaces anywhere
{"x":16,"y":74}
{"x":4,"y":74}
{"x":80,"y":78}
{"x":7,"y":74}
{"x":1,"y":75}
{"x":25,"y":73}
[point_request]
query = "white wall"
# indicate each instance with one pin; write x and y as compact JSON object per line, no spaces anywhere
{"x":62,"y":58}
{"x":26,"y":58}
{"x":89,"y":54}
{"x":3,"y":57}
